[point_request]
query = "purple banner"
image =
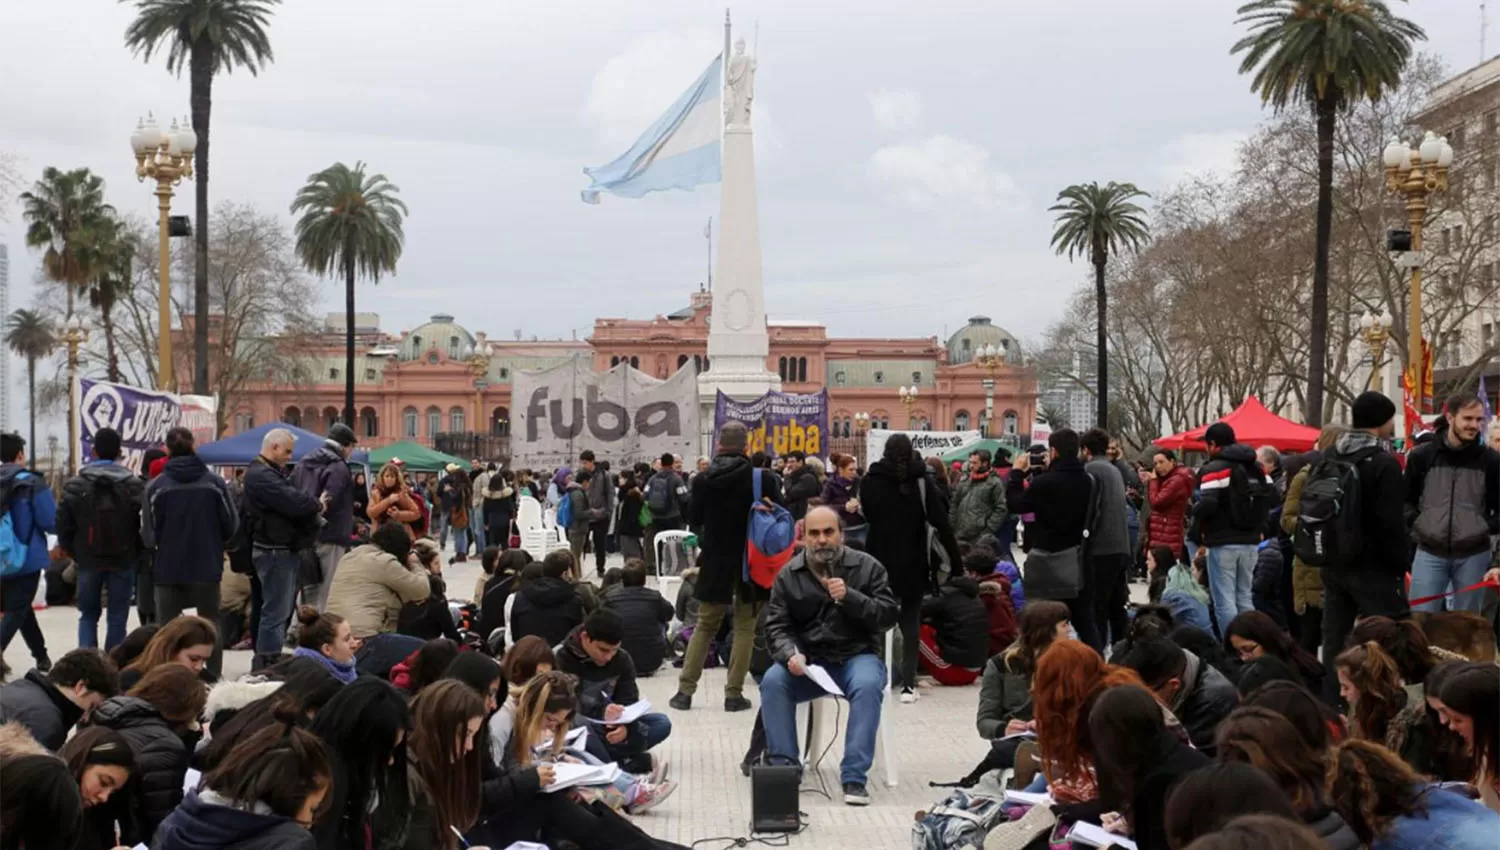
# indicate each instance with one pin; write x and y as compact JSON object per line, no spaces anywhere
{"x":143,"y":418}
{"x":778,"y":422}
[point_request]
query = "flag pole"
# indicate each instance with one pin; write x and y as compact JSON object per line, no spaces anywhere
{"x":708,"y":233}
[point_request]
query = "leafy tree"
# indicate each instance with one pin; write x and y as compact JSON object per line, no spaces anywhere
{"x":1097,"y":221}
{"x":63,"y":211}
{"x":1327,"y":55}
{"x":209,"y":37}
{"x":30,"y":335}
{"x":109,"y":253}
{"x":350,"y":224}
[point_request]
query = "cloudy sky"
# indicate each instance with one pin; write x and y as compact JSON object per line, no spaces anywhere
{"x":905,"y":154}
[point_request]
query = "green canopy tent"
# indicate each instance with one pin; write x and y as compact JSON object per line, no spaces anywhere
{"x":962,"y":453}
{"x":415,"y":457}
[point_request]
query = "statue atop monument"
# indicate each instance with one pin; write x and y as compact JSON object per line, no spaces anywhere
{"x":740,"y":77}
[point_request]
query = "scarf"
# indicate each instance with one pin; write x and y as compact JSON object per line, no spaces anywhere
{"x":981,"y":474}
{"x":345,"y":673}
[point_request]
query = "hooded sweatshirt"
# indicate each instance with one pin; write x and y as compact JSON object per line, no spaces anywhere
{"x":1218,"y":484}
{"x":1384,"y":544}
{"x":189,"y":516}
{"x":207,"y":820}
{"x":598,"y":685}
{"x":547,"y":608}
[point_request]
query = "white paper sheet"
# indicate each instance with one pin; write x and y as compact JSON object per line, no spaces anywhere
{"x":190,"y":780}
{"x":1027,"y":798}
{"x":1028,"y":735}
{"x":825,"y":681}
{"x":576,"y":739}
{"x":566,"y":775}
{"x":631,"y":714}
{"x":1094,"y":835}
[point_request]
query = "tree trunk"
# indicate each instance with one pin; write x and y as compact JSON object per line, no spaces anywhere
{"x":201,"y":73}
{"x":1101,"y":339}
{"x":1317,"y":342}
{"x":348,"y":338}
{"x":31,"y":397}
{"x":111,"y":351}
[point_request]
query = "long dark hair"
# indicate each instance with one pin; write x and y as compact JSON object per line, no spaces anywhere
{"x":279,"y":766}
{"x":97,"y":745}
{"x":1126,"y":730}
{"x":1451,"y":760}
{"x":1403,"y":640}
{"x":1370,"y":787}
{"x":1381,"y":696}
{"x":1474,"y":691}
{"x":41,"y":808}
{"x":440,"y":716}
{"x":1310,"y":716}
{"x":360,"y":726}
{"x":1258,"y":627}
{"x":431,"y":660}
{"x":1263,"y":738}
{"x":1212,"y":796}
{"x":306,"y":687}
{"x":1038,"y":627}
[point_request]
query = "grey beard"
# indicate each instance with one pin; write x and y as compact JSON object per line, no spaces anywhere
{"x":821,"y":559}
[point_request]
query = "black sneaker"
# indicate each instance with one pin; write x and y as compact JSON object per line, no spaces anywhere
{"x":44,"y":664}
{"x":737,"y":704}
{"x":855,"y":794}
{"x":681,"y":702}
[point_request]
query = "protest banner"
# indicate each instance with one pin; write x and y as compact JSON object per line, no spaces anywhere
{"x":926,"y":443}
{"x":200,"y":414}
{"x":778,"y":422}
{"x":624,"y":415}
{"x":142,"y":418}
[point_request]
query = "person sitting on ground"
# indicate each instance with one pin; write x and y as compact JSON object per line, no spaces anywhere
{"x":102,"y":762}
{"x":1254,"y":635}
{"x":526,"y":658}
{"x":1069,"y":676}
{"x":999,"y":603}
{"x":364,"y":728}
{"x":587,"y":592}
{"x":1451,"y":758}
{"x":1005,"y":688}
{"x":1470,"y":705}
{"x":41,"y":807}
{"x":424,"y":666}
{"x":1260,"y":737}
{"x":1379,"y":706}
{"x":607,"y":687}
{"x":1259,"y":832}
{"x":1198,"y":694}
{"x":328,"y":640}
{"x":1003,"y":568}
{"x":1392,"y":807}
{"x":444,"y":769}
{"x":1150,"y":621}
{"x":134,"y":644}
{"x":430,"y":617}
{"x":956,"y":628}
{"x":829,"y":607}
{"x":237,"y":614}
{"x":645,"y":615}
{"x":548,"y":607}
{"x":373,"y":582}
{"x":610,"y":581}
{"x":1139,"y":762}
{"x":1208,"y":648}
{"x":50,"y":704}
{"x":499,"y":586}
{"x":1210,"y":797}
{"x":185,"y":640}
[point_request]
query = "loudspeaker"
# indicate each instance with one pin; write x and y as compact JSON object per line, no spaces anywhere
{"x":774,"y":798}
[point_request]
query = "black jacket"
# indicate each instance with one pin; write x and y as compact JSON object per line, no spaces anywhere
{"x":1266,"y":585}
{"x":1218,"y":481}
{"x":597,"y":686}
{"x":1385,"y":546}
{"x":74,"y":509}
{"x":1171,"y":762}
{"x":802,"y":617}
{"x":429,"y":618}
{"x":646,"y":615}
{"x":1205,"y":699}
{"x":326,"y":470}
{"x":189,"y":517}
{"x":38,"y":705}
{"x":720,"y":509}
{"x":281,"y":516}
{"x":801,"y":486}
{"x":547,"y":608}
{"x":1059,"y":498}
{"x":199,"y":824}
{"x":497,"y":588}
{"x":161,"y":762}
{"x":962,"y":623}
{"x":891,"y":500}
{"x":677,"y":501}
{"x":1452,"y":497}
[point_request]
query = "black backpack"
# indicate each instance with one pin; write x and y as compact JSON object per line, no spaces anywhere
{"x":1251,"y":499}
{"x":110,"y":522}
{"x":659,"y":493}
{"x":1328,"y":521}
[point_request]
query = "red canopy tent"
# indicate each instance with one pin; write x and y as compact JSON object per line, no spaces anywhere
{"x":1253,"y":425}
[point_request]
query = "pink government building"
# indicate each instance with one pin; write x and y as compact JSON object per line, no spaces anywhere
{"x":434,"y":383}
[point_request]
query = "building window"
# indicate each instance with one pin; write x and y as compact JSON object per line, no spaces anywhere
{"x":781,"y":368}
{"x":1458,"y":236}
{"x":923,"y":424}
{"x":1011,"y":422}
{"x":839,"y":377}
{"x":456,"y":420}
{"x":1456,"y":137}
{"x":416,"y":343}
{"x":635,"y":362}
{"x":245,"y":421}
{"x":698,"y":363}
{"x":1489,"y":227}
{"x":504,"y":373}
{"x":1492,"y":123}
{"x":879,"y":377}
{"x":682,"y":360}
{"x":500,"y":422}
{"x":916,"y":377}
{"x":961,"y":420}
{"x":614,"y":361}
{"x":292,"y":416}
{"x":333,"y":374}
{"x":453,"y":348}
{"x":369,"y":423}
{"x":369,"y":374}
{"x":409,"y":422}
{"x":434,"y":421}
{"x":330,"y":418}
{"x":802,"y":370}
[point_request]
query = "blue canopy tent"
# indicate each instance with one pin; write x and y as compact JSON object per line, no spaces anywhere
{"x":241,"y":449}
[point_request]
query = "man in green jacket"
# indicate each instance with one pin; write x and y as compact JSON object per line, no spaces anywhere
{"x":979,"y":504}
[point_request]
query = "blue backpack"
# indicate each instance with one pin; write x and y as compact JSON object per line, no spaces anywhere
{"x":14,"y":551}
{"x":565,"y":510}
{"x":770,"y":539}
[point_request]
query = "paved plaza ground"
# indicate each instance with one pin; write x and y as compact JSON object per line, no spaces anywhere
{"x":931,"y":740}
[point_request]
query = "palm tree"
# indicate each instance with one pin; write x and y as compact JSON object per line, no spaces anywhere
{"x":109,"y":256}
{"x":210,"y":37}
{"x":1326,"y":54}
{"x":1096,"y":221}
{"x":29,"y":335}
{"x":351,"y":223}
{"x":62,"y":211}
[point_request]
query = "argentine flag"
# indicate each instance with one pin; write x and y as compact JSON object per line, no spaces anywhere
{"x":679,"y":151}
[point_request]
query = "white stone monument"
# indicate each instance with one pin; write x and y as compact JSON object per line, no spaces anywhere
{"x":737,"y":340}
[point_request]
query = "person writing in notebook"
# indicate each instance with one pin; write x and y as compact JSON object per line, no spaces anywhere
{"x":607,"y":687}
{"x":830,"y":606}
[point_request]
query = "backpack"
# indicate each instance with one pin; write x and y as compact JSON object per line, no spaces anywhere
{"x":770,"y":538}
{"x":565,"y":510}
{"x":936,"y":554}
{"x":659,"y":494}
{"x":14,"y":551}
{"x":1328,"y":522}
{"x":960,"y":822}
{"x":110,"y":525}
{"x":1250,"y":499}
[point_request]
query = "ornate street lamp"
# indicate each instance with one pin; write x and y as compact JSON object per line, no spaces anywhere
{"x":909,"y":399}
{"x":74,"y":335}
{"x":1415,"y":173}
{"x":479,"y":367}
{"x":166,"y":157}
{"x":1375,"y":329}
{"x":990,"y":358}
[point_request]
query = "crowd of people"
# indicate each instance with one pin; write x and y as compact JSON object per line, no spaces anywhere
{"x":1282,"y":682}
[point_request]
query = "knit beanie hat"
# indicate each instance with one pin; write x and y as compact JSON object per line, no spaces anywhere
{"x":1219,"y":434}
{"x":1372,"y":410}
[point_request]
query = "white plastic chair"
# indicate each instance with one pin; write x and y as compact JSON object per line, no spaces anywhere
{"x":668,"y":541}
{"x":528,"y":514}
{"x":817,"y":721}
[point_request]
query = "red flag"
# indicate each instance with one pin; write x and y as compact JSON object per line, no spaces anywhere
{"x":1427,"y":399}
{"x":1413,"y":418}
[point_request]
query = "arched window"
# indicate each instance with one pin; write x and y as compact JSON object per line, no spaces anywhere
{"x":848,"y":427}
{"x":369,"y":423}
{"x":311,"y":417}
{"x":614,"y":360}
{"x":923,"y":424}
{"x":635,"y":362}
{"x":500,"y":422}
{"x":409,"y":422}
{"x":456,"y":420}
{"x":698,"y":363}
{"x":434,"y":421}
{"x":243,"y":422}
{"x":801,"y":370}
{"x":781,"y":368}
{"x":961,"y":420}
{"x":292,"y":416}
{"x":682,"y":360}
{"x":330,"y":418}
{"x":1011,"y":422}
{"x":416,"y":343}
{"x":453,"y":348}
{"x":661,"y":365}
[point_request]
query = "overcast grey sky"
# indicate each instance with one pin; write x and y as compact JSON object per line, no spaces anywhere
{"x":906,"y":154}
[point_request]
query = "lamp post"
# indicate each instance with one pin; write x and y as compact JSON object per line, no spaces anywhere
{"x":479,"y":366}
{"x":1375,"y":329}
{"x":74,"y":335}
{"x":1414,"y":173}
{"x":167,"y":157}
{"x":990,"y":358}
{"x":909,"y":399}
{"x":861,"y":428}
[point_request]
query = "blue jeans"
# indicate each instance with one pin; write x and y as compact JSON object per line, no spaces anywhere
{"x":92,"y":585}
{"x":461,"y":540}
{"x":476,"y":529}
{"x":1432,"y":574}
{"x":862,"y":679}
{"x":277,"y":570}
{"x":1231,"y":571}
{"x":16,"y":595}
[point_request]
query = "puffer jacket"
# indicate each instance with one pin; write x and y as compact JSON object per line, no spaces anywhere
{"x":161,"y":762}
{"x":1307,"y":581}
{"x":1217,"y":482}
{"x":999,"y":604}
{"x":1004,"y":695}
{"x":1453,"y":497}
{"x":209,"y":821}
{"x":978,"y":506}
{"x":369,"y":588}
{"x":1169,"y":499}
{"x":33,"y":702}
{"x":1204,"y":700}
{"x":645,"y":614}
{"x":962,"y":623}
{"x":548,"y":608}
{"x":802,"y":618}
